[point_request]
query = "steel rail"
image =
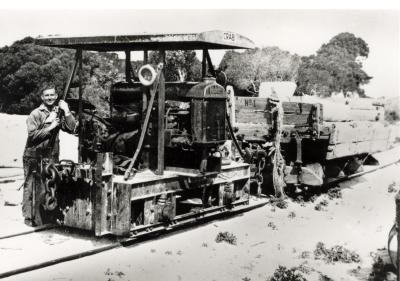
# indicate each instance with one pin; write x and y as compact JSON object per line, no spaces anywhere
{"x":349,"y":177}
{"x":36,"y":229}
{"x":204,"y":216}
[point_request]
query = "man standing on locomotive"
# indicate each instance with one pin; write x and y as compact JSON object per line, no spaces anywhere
{"x":42,"y":123}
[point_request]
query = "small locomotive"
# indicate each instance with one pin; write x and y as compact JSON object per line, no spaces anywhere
{"x":157,"y":161}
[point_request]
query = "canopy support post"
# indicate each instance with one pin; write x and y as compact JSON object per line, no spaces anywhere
{"x":128,"y":66}
{"x":80,"y":105}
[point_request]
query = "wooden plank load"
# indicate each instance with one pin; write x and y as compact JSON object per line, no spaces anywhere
{"x":342,"y":110}
{"x":351,"y":128}
{"x":358,"y":137}
{"x":354,"y":127}
{"x":253,"y":110}
{"x":356,"y":110}
{"x":250,"y":110}
{"x":253,"y":116}
{"x":249,"y":116}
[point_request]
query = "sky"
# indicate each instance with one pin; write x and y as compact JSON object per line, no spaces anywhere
{"x":300,"y":31}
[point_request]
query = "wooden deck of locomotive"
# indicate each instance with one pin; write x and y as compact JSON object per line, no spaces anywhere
{"x":116,"y":206}
{"x":145,"y":187}
{"x":234,"y":171}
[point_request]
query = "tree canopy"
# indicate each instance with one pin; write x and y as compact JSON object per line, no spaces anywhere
{"x":336,"y":67}
{"x":245,"y":71}
{"x":180,"y":65}
{"x":25,"y":68}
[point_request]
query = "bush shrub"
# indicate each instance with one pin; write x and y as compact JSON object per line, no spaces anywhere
{"x":227,"y":237}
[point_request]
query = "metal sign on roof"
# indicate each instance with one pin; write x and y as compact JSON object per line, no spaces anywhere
{"x":215,"y":39}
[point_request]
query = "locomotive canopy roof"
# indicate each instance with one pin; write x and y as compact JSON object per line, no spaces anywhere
{"x":215,"y":39}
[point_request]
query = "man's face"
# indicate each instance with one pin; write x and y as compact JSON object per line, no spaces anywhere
{"x":49,"y":97}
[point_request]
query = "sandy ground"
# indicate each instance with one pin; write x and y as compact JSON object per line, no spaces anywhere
{"x":13,"y":139}
{"x":266,"y":238}
{"x":360,"y":221}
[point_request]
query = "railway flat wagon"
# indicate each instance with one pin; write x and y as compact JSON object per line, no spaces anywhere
{"x":307,"y":141}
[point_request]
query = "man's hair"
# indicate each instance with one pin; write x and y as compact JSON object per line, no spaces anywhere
{"x":47,"y":87}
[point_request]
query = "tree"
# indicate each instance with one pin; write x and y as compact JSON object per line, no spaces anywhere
{"x":179,"y":65}
{"x":248,"y":69}
{"x":25,"y":68}
{"x":335,"y":68}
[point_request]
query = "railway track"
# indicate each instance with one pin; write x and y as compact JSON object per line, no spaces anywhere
{"x":59,"y":239}
{"x":106,"y":244}
{"x":36,"y":229}
{"x":349,"y":177}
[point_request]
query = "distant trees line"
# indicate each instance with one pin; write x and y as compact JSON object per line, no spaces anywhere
{"x":25,"y":68}
{"x":336,"y":67}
